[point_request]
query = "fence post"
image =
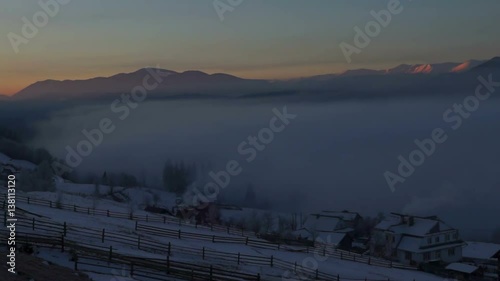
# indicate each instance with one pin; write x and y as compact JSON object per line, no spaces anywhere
{"x":169,"y":248}
{"x":33,"y":224}
{"x":258,"y":276}
{"x":228,"y":230}
{"x":88,"y":211}
{"x":164,"y":220}
{"x":317,"y":273}
{"x":28,"y":200}
{"x":211,"y":272}
{"x":295,"y":267}
{"x":179,"y":234}
{"x":369,"y":260}
{"x":213,"y":238}
{"x":272,"y":261}
{"x":107,"y":213}
{"x":168,"y":260}
{"x":131,"y":268}
{"x":76,"y":264}
{"x":203,"y":253}
{"x":103,"y":233}
{"x":65,"y":229}
{"x":110,"y":252}
{"x":74,"y":208}
{"x":238,"y":258}
{"x":246,"y":241}
{"x":62,"y":243}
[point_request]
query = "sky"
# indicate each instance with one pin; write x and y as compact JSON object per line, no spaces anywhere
{"x":271,"y":39}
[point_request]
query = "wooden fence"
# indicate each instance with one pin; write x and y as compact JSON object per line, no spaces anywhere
{"x":150,"y":245}
{"x":63,"y":231}
{"x":88,"y":257}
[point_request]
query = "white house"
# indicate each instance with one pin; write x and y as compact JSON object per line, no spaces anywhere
{"x":415,"y":240}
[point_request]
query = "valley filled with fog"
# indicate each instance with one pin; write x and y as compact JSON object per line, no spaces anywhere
{"x":333,"y":155}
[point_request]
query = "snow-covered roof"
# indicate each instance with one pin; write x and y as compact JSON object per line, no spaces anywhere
{"x":317,"y":222}
{"x":331,"y":237}
{"x":327,"y":237}
{"x":462,"y":267}
{"x":419,"y":227}
{"x":410,"y":244}
{"x":479,"y":250}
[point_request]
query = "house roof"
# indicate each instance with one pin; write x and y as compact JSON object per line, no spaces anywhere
{"x":344,"y":215}
{"x":410,"y":244}
{"x":318,"y":222}
{"x":327,"y":237}
{"x":462,"y":267}
{"x":420,"y":226}
{"x":479,"y":250}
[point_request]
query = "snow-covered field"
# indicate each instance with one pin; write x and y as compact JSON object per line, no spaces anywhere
{"x":82,"y":195}
{"x":186,"y":249}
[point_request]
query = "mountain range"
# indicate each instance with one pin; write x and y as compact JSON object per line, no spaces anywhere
{"x":200,"y":83}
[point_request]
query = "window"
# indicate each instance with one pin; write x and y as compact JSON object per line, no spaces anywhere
{"x":438,"y":254}
{"x":427,"y":256}
{"x":455,"y":235}
{"x":408,"y":256}
{"x":447,"y":238}
{"x":437,"y":239}
{"x":451,"y":252}
{"x":429,"y":240}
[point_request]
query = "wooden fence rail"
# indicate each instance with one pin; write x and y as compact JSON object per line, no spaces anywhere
{"x":150,"y":245}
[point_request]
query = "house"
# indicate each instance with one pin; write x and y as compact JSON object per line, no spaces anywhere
{"x":328,"y":228}
{"x":485,"y":256}
{"x":416,"y":240}
{"x":349,"y":219}
{"x":329,"y":221}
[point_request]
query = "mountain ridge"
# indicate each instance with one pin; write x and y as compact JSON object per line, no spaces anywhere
{"x":198,"y":82}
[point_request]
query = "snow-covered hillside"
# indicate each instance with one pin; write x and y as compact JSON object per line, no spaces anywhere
{"x":80,"y":223}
